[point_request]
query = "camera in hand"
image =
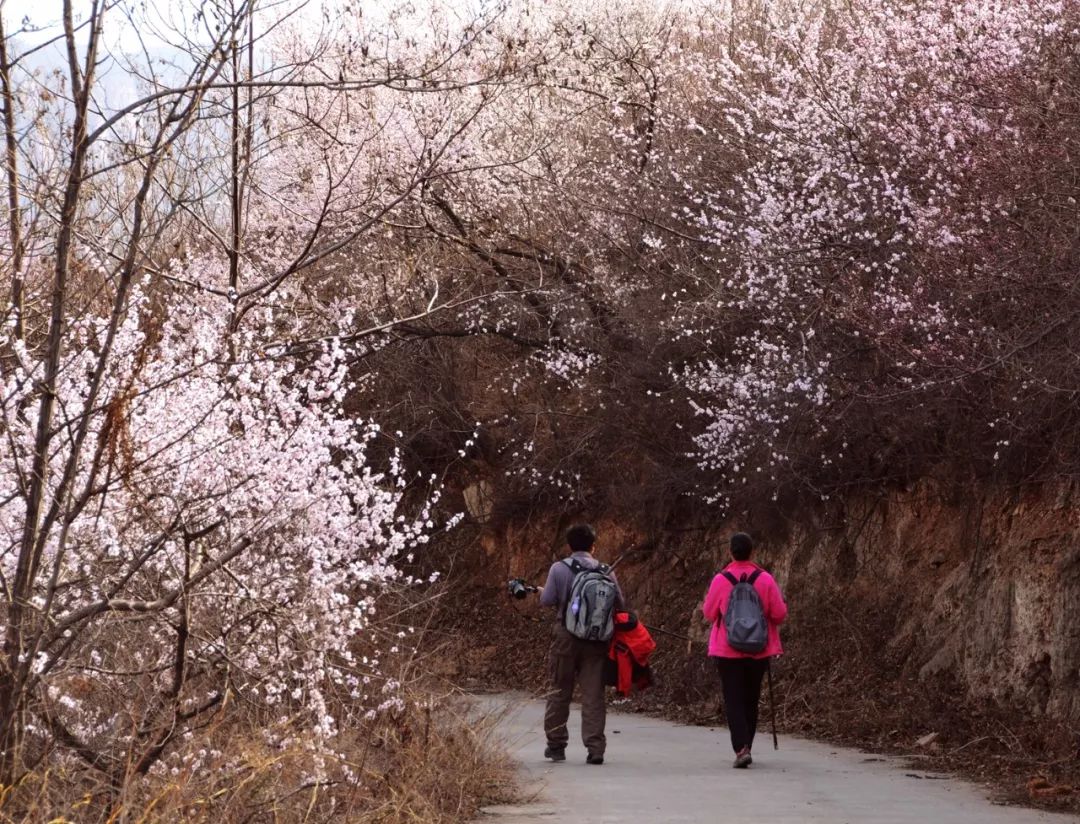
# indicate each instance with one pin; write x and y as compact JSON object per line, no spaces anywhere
{"x":518,"y":588}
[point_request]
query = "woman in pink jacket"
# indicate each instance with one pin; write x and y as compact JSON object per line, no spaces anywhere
{"x":741,"y":673}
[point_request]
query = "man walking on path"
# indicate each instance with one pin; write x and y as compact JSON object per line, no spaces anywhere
{"x":573,"y":659}
{"x":741,"y":672}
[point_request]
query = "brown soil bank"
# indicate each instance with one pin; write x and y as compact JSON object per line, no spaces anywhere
{"x":944,"y":626}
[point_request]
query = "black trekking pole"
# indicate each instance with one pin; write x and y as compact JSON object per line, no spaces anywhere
{"x":772,"y":707}
{"x":663,"y":631}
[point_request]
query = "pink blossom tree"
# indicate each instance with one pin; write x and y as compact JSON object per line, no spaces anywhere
{"x":192,"y":518}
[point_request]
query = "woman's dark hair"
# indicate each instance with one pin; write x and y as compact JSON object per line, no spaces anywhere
{"x":580,"y":537}
{"x":741,"y":546}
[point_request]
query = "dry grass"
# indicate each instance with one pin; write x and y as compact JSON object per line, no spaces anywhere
{"x":434,"y":762}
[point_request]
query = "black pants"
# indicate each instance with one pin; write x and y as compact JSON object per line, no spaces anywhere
{"x":741,"y":680}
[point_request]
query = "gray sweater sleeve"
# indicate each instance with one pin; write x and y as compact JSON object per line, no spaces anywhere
{"x":557,"y":583}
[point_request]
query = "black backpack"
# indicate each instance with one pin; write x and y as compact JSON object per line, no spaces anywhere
{"x":747,"y":628}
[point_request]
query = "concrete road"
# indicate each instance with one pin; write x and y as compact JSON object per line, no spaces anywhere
{"x":656,"y":772}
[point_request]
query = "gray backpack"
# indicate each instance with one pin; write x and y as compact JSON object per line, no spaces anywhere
{"x":590,"y":611}
{"x":747,"y":629}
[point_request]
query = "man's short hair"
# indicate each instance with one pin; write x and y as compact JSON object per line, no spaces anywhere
{"x":581,"y":537}
{"x":741,"y":546}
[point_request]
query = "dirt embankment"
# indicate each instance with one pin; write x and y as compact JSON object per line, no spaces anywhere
{"x":916,"y":616}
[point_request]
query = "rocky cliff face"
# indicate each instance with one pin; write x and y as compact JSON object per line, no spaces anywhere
{"x":985,"y":588}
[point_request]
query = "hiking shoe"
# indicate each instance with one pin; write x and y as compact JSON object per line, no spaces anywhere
{"x":743,"y":759}
{"x":594,"y":759}
{"x":555,"y":753}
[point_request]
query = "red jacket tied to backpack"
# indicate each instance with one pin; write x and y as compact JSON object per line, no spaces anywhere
{"x":628,"y":655}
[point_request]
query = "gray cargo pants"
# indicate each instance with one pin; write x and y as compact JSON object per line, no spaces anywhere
{"x":571,"y":660}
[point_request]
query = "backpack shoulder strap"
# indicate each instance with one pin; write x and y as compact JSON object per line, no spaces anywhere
{"x":754,"y":575}
{"x":603,"y":569}
{"x":730,"y":577}
{"x":574,"y":564}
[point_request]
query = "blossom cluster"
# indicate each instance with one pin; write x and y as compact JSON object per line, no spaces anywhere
{"x":229,"y":525}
